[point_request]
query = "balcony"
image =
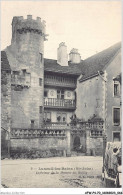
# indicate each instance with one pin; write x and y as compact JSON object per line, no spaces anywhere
{"x":59,"y":103}
{"x":68,"y":83}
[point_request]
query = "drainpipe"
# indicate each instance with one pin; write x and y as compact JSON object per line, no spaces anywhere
{"x":104,"y":100}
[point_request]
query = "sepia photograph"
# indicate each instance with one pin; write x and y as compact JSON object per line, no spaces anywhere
{"x":61,"y":102}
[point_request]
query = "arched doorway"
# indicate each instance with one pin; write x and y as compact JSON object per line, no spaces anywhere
{"x":76,"y":143}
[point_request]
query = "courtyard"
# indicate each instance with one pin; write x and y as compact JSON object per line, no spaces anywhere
{"x":57,"y":172}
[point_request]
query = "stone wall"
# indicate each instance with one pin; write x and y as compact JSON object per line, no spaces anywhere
{"x":89,"y":98}
{"x":5,"y":143}
{"x":6,"y":100}
{"x":38,"y":147}
{"x":112,"y":70}
{"x":26,"y":107}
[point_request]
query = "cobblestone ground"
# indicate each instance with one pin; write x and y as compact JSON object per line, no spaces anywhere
{"x":70,"y":172}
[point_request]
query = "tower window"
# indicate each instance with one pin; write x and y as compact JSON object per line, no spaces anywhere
{"x":24,"y":71}
{"x":41,"y":57}
{"x":32,"y":124}
{"x":40,"y":81}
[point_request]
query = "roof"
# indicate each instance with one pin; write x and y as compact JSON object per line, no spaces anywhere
{"x":52,"y":66}
{"x":4,"y":62}
{"x":88,"y":67}
{"x":99,"y":61}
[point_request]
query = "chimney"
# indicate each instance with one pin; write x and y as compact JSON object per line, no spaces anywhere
{"x":74,"y":56}
{"x":62,"y":57}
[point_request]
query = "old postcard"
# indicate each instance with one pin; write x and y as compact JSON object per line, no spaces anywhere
{"x":61,"y":97}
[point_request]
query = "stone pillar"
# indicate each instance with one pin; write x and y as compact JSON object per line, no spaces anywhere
{"x":88,"y":143}
{"x":68,"y":143}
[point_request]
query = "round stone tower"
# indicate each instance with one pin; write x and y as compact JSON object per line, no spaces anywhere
{"x":28,"y":37}
{"x":25,"y":55}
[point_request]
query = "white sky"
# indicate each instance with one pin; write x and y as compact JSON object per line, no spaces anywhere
{"x":89,"y":26}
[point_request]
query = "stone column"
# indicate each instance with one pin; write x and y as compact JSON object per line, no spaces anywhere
{"x":68,"y":142}
{"x":88,"y":143}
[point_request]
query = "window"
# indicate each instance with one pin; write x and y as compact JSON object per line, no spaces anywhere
{"x":116,"y":116}
{"x":32,"y":124}
{"x":60,"y":94}
{"x":41,"y":57}
{"x":116,"y":88}
{"x":40,"y":109}
{"x":116,"y":136}
{"x":64,"y":117}
{"x":61,"y":117}
{"x":40,"y":81}
{"x":45,"y":93}
{"x":24,"y":71}
{"x":47,"y":117}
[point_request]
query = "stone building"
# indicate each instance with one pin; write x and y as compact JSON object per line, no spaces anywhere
{"x":53,"y":107}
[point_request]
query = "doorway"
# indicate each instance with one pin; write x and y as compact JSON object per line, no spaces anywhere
{"x":76,"y":143}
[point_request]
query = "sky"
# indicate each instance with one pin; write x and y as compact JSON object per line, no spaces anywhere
{"x":89,"y":26}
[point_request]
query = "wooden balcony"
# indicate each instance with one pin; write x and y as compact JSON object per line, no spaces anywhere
{"x":55,"y":83}
{"x":59,"y":103}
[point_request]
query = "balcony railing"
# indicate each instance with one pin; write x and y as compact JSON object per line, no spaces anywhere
{"x":35,"y":133}
{"x":56,"y":125}
{"x":96,"y":133}
{"x":96,"y":126}
{"x":54,"y":82}
{"x":59,"y":103}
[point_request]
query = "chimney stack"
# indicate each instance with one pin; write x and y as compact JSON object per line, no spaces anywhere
{"x":74,"y":56}
{"x":62,"y":56}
